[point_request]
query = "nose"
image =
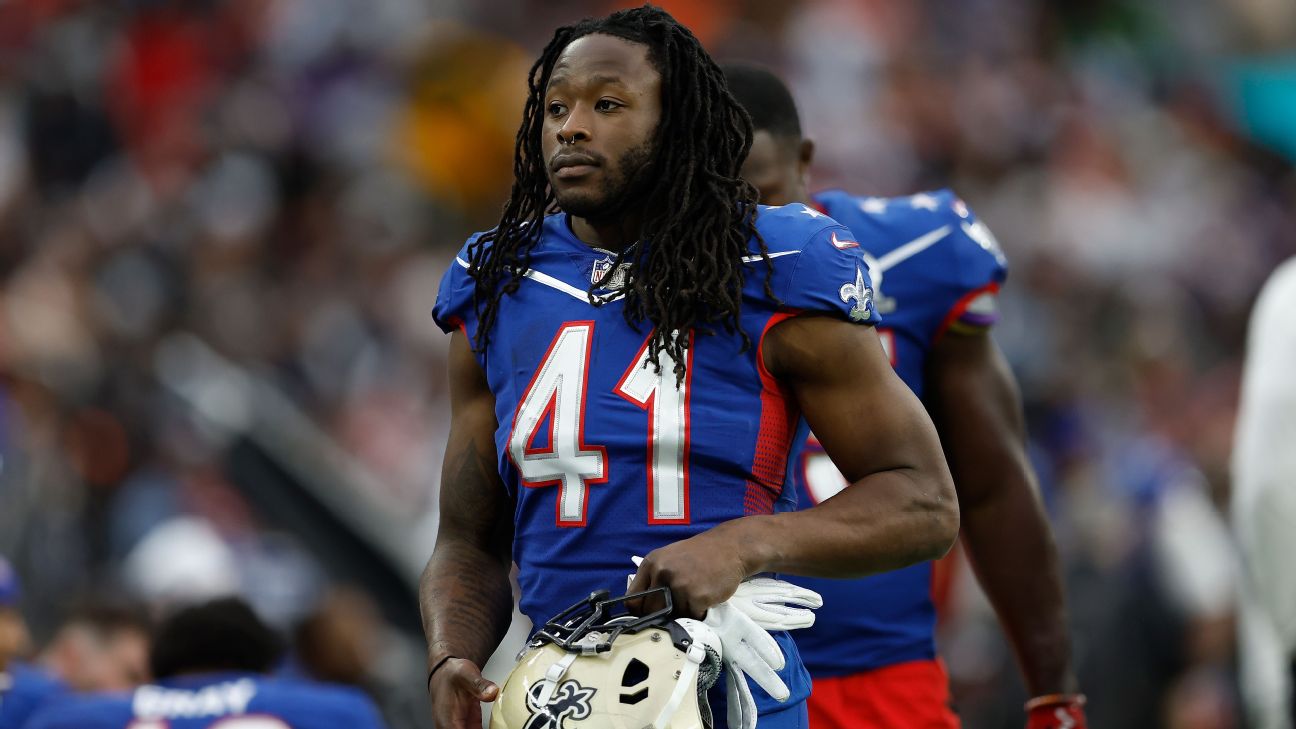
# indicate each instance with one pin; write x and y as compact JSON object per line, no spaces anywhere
{"x":575,"y":128}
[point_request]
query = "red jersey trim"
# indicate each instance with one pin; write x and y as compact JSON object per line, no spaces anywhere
{"x":778,"y":421}
{"x":960,"y":307}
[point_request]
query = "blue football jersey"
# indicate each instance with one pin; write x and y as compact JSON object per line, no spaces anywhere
{"x":24,"y":690}
{"x":227,"y":701}
{"x":607,"y":458}
{"x":934,"y":267}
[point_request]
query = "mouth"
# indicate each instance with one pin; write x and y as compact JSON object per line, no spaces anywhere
{"x":571,"y":166}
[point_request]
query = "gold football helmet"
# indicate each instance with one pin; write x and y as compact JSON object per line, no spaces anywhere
{"x":592,"y":668}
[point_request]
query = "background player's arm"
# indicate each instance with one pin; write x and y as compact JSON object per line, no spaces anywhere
{"x":901,"y":510}
{"x":465,"y":595}
{"x":974,"y":402}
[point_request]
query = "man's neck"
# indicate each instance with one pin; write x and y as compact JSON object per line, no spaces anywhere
{"x":803,"y":196}
{"x":612,"y":234}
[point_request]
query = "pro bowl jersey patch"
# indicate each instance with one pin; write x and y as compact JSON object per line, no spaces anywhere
{"x":935,"y":271}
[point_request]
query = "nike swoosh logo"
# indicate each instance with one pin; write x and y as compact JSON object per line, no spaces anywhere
{"x":842,"y":245}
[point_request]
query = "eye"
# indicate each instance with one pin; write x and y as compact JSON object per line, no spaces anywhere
{"x":556,"y":108}
{"x":606,"y":105}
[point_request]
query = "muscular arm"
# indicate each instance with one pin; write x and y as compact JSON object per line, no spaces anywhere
{"x":974,"y":402}
{"x":464,"y":594}
{"x":900,"y":507}
{"x":900,"y":510}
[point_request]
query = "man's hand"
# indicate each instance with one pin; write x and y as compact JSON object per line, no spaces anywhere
{"x":700,"y":571}
{"x":457,"y":690}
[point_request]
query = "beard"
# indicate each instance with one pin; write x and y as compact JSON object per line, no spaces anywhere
{"x":627,"y":184}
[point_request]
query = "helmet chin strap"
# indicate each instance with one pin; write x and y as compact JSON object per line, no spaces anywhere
{"x":687,"y":683}
{"x":552,"y":677}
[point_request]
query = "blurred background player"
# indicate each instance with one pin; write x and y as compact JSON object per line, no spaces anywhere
{"x":15,"y":639}
{"x":1264,"y":503}
{"x":211,"y":663}
{"x":101,"y":647}
{"x":936,"y":274}
{"x":23,"y":689}
{"x":633,"y":375}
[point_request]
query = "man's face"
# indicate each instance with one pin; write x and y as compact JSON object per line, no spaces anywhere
{"x":117,"y":661}
{"x":601,"y":109}
{"x":778,"y":168}
{"x":15,"y":641}
{"x":126,"y":664}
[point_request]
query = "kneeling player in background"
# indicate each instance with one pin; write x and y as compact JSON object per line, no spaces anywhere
{"x":936,"y":273}
{"x":210,"y":663}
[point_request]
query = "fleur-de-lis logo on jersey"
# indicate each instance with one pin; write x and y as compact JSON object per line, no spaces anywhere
{"x":569,"y":700}
{"x":859,"y":292}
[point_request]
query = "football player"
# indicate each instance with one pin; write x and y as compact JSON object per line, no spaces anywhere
{"x":23,"y":689}
{"x":100,"y":647}
{"x":633,"y":375}
{"x":210,"y":661}
{"x":936,"y":273}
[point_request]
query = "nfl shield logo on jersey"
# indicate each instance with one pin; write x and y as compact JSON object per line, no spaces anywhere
{"x":604,"y":277}
{"x":601,"y":268}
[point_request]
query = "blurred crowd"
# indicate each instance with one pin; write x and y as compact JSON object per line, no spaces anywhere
{"x":277,"y":185}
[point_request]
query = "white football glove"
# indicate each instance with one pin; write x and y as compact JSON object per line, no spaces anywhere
{"x":776,"y":605}
{"x":773,"y":604}
{"x":742,"y":622}
{"x":748,"y":651}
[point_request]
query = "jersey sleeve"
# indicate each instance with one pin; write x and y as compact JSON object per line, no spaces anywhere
{"x":978,"y":273}
{"x":829,"y":275}
{"x":455,"y":308}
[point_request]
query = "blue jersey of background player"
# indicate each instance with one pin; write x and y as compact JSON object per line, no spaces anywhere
{"x":584,"y":431}
{"x":210,"y":662}
{"x":934,"y":268}
{"x":936,"y":274}
{"x":23,"y":689}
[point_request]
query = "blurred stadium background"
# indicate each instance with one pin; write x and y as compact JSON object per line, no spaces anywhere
{"x":223,"y":222}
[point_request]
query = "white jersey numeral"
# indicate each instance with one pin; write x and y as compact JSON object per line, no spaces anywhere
{"x":557,"y":394}
{"x":656,"y":390}
{"x":822,"y":478}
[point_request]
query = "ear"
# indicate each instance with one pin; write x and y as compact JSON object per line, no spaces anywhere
{"x":805,"y":157}
{"x":805,"y":153}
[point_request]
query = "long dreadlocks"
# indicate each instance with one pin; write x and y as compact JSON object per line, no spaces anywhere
{"x":696,"y":222}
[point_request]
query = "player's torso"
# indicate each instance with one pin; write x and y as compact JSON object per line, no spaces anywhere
{"x":608,"y":458}
{"x":909,"y":247}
